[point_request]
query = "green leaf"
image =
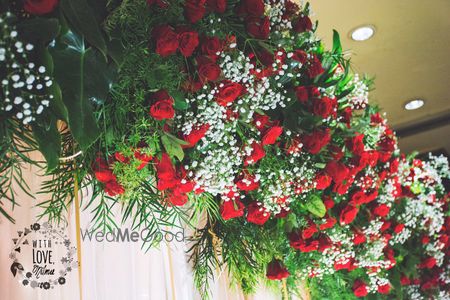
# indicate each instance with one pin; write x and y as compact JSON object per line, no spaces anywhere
{"x":320,"y":165}
{"x":83,"y":77}
{"x":49,"y":142}
{"x":337,"y":47}
{"x":180,"y":101}
{"x":83,"y":21}
{"x":316,"y":206}
{"x":416,"y":188}
{"x":291,"y":222}
{"x":39,"y":29}
{"x":173,"y":145}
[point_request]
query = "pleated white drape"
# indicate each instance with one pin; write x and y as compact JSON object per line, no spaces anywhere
{"x":110,"y":271}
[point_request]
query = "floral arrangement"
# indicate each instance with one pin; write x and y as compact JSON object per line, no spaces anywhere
{"x":231,"y":110}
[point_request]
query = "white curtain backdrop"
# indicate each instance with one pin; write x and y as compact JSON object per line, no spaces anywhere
{"x":110,"y":270}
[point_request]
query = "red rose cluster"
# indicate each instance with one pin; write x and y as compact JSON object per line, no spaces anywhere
{"x":105,"y":175}
{"x":174,"y":183}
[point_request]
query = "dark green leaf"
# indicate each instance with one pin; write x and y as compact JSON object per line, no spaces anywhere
{"x":39,"y":29}
{"x":337,"y":47}
{"x":49,"y":142}
{"x":80,"y":15}
{"x":83,"y":76}
{"x":180,"y":101}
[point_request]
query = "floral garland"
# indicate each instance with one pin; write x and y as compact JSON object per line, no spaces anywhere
{"x":235,"y":110}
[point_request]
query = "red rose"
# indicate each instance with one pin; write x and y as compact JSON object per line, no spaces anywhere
{"x":358,"y":238}
{"x":386,"y":225}
{"x":166,"y":40}
{"x":276,"y":270}
{"x":427,"y":263}
{"x":329,"y":223}
{"x":344,"y":265}
{"x":187,"y":41}
{"x":102,"y":171}
{"x":393,"y":165}
{"x":314,"y":67}
{"x":257,"y":214}
{"x":228,"y":92}
{"x":387,"y":144}
{"x":177,"y":198}
{"x":165,"y":168}
{"x":297,"y":242}
{"x":399,"y":228}
{"x":425,"y":239}
{"x":161,"y":3}
{"x":39,"y":7}
{"x":121,"y":158}
{"x":309,"y":246}
{"x":232,"y":209}
{"x":302,"y":94}
{"x":207,"y":69}
{"x":184,"y":186}
{"x":338,"y":171}
{"x":316,"y":140}
{"x":404,"y":280}
{"x":309,"y":231}
{"x":430,"y":282}
{"x":271,"y":135}
{"x":376,"y":118}
{"x":113,"y":188}
{"x":372,"y":157}
{"x":195,"y":135}
{"x":360,"y":288}
{"x":322,"y":181}
{"x":384,"y":156}
{"x":247,"y":182}
{"x":381,"y":210}
{"x":302,"y":24}
{"x":300,"y":56}
{"x":258,"y":27}
{"x":324,"y":107}
{"x":328,"y":202}
{"x":342,"y":188}
{"x":210,"y":46}
{"x":165,"y":171}
{"x":290,"y":10}
{"x":163,"y":107}
{"x":356,"y":144}
{"x":346,"y":115}
{"x":144,"y":158}
{"x":324,"y":243}
{"x":348,"y":214}
{"x":194,"y":10}
{"x":218,"y":6}
{"x":358,"y":198}
{"x":261,"y":121}
{"x":265,"y":57}
{"x":251,"y":7}
{"x":384,"y":289}
{"x":256,"y":154}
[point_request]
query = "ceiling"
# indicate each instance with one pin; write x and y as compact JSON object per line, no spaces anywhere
{"x":409,"y":57}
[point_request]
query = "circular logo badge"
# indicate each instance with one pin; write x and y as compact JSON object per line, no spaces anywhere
{"x":42,"y":256}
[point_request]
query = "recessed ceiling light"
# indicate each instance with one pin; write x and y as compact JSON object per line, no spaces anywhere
{"x":363,"y":33}
{"x":414,"y":104}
